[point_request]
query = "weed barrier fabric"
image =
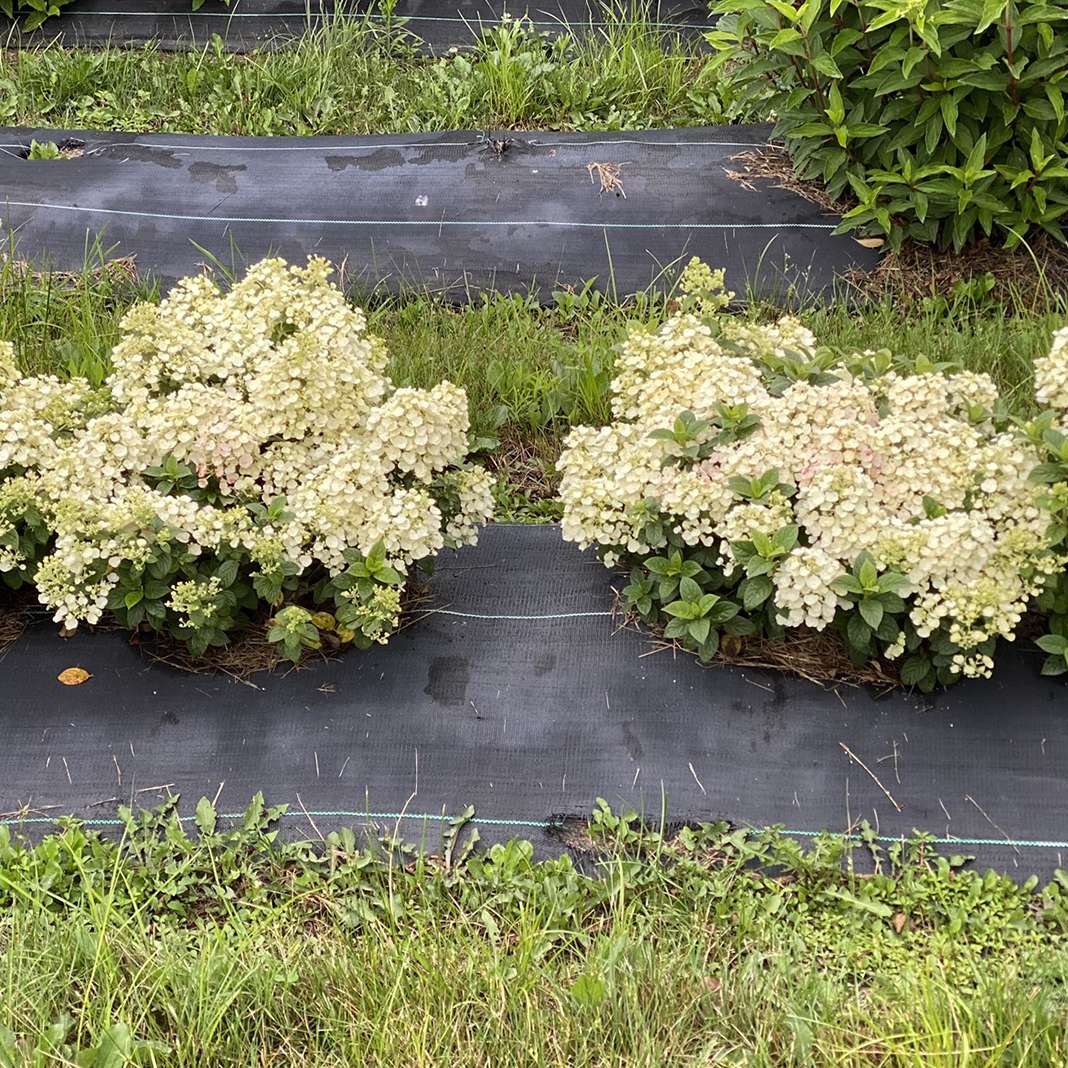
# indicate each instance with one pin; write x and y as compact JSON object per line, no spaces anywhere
{"x":454,"y":212}
{"x":521,"y":695}
{"x":247,"y":24}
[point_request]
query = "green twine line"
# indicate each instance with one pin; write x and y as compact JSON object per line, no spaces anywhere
{"x":1011,"y":842}
{"x":544,"y":825}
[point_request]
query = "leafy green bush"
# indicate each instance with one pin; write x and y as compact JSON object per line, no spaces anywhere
{"x":246,"y":455}
{"x":753,"y":482}
{"x":1047,"y":435}
{"x":946,"y":120}
{"x":36,"y":12}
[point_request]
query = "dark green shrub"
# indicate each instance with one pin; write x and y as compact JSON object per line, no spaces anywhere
{"x":946,"y":120}
{"x":35,"y":11}
{"x":38,"y":11}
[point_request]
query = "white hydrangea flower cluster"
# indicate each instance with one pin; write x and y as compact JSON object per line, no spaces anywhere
{"x":9,"y":370}
{"x":803,"y":591}
{"x":1051,"y":373}
{"x":273,"y":388}
{"x":899,"y":466}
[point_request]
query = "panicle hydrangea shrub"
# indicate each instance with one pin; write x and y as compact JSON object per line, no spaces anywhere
{"x":248,"y":448}
{"x":755,"y":482}
{"x":1046,"y":432}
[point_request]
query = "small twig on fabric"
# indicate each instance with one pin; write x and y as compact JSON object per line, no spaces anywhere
{"x":310,"y":820}
{"x":698,"y":781}
{"x":892,"y":756}
{"x":982,"y":811}
{"x":874,"y":778}
{"x":660,"y":648}
{"x":758,"y":685}
{"x":26,"y":810}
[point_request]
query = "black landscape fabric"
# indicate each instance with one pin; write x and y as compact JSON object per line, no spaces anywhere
{"x":246,"y":24}
{"x":521,"y":695}
{"x":453,"y":212}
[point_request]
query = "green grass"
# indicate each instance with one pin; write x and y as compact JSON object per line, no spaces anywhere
{"x":232,"y":950}
{"x":981,"y":336}
{"x":350,"y":78}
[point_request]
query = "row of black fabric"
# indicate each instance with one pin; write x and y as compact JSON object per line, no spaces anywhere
{"x":453,"y":212}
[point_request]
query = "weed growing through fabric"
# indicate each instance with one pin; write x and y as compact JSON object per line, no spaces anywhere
{"x":240,"y":947}
{"x":43,"y":150}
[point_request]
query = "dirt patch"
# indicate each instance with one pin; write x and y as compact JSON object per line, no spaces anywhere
{"x":1026,"y":280}
{"x":573,"y":833}
{"x":523,"y":464}
{"x":121,"y":269}
{"x":14,"y":619}
{"x":249,"y":653}
{"x":818,"y":657}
